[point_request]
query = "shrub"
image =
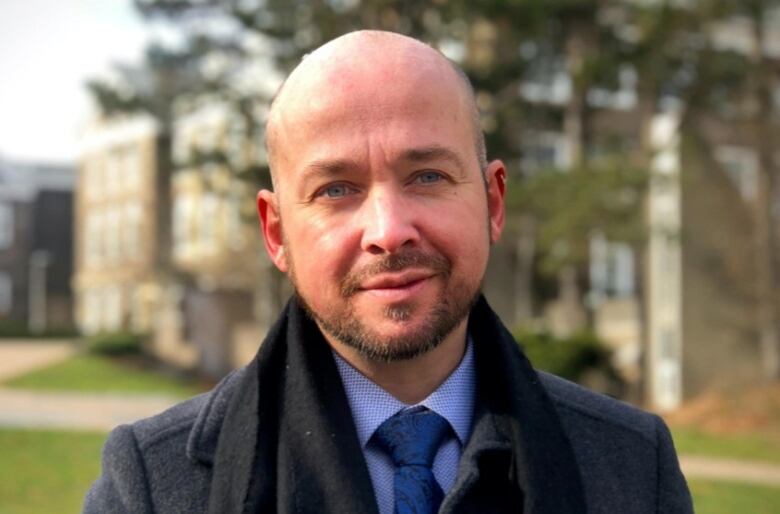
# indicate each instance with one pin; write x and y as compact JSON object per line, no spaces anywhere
{"x":571,"y":358}
{"x":115,"y":344}
{"x":12,"y":328}
{"x":18,"y":330}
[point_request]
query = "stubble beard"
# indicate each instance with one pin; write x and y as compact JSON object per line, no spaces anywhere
{"x":452,"y":306}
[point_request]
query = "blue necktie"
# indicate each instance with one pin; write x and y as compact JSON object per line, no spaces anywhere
{"x":412,"y":440}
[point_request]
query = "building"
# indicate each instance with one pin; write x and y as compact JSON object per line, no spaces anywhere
{"x":35,"y":247}
{"x":121,"y":233}
{"x":167,"y":243}
{"x":218,"y":311}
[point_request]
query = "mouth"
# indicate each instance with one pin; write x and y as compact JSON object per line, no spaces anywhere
{"x":396,"y":286}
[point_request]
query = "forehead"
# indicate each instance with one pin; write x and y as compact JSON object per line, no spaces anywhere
{"x":343,"y":65}
{"x":348,"y":107}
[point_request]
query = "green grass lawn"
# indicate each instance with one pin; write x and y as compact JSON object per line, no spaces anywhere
{"x":91,"y":373}
{"x":744,"y":446}
{"x":47,"y":471}
{"x":710,"y":497}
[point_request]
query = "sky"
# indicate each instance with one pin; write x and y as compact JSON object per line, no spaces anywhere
{"x":48,"y":50}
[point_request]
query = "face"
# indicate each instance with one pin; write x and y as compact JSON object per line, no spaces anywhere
{"x":381,"y":217}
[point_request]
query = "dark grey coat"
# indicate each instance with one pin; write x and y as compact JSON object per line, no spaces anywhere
{"x":277,"y":436}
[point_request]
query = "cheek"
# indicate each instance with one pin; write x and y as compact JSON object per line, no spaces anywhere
{"x":463,"y":236}
{"x":321,"y":255}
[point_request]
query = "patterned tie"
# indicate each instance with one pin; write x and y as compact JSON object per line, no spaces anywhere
{"x":412,"y":440}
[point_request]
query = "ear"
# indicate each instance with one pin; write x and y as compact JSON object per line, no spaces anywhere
{"x":496,"y":188}
{"x":271,"y":226}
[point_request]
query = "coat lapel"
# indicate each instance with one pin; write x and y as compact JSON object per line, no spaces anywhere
{"x":544,"y":465}
{"x":293,"y":448}
{"x":319,"y":447}
{"x":239,"y":449}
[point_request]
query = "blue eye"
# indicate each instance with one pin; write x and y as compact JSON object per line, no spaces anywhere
{"x":429,"y":177}
{"x":336,"y":191}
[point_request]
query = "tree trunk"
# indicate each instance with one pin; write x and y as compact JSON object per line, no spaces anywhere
{"x":639,"y":391}
{"x":570,"y":300}
{"x":525,"y":248}
{"x":576,"y":47}
{"x":766,"y":224}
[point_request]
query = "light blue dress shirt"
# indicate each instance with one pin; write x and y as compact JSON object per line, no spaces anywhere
{"x":371,"y":406}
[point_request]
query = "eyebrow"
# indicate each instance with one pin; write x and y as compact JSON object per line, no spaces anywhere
{"x":337,"y":167}
{"x":329,"y":167}
{"x":433,"y":153}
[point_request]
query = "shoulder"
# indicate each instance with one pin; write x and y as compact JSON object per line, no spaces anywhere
{"x":626,"y":455}
{"x":160,"y":450}
{"x":576,"y":404}
{"x":168,"y":424}
{"x":197,"y":420}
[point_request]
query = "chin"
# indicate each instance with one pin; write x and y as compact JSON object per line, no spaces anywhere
{"x":397,"y":331}
{"x":393,"y":339}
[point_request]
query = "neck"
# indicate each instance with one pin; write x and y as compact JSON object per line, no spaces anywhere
{"x":411,"y":380}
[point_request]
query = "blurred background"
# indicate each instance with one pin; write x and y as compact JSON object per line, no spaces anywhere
{"x":641,"y":257}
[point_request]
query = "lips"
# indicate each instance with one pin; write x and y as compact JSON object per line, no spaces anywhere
{"x":394,"y":272}
{"x":392,"y":281}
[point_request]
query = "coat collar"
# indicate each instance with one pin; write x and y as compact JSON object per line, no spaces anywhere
{"x":309,"y":459}
{"x":202,"y":441}
{"x":544,"y":463}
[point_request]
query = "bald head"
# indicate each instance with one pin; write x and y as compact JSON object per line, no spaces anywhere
{"x":354,"y":62}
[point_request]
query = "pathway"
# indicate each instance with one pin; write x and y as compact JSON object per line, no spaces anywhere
{"x":76,"y":411}
{"x":63,"y":410}
{"x":20,"y":356}
{"x":711,"y":468}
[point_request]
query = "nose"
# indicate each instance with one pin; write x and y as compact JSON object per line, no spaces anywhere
{"x":388,"y":223}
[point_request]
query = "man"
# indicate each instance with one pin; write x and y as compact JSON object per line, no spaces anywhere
{"x":388,"y":385}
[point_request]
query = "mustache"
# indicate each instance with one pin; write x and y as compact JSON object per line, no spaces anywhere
{"x":393,"y":263}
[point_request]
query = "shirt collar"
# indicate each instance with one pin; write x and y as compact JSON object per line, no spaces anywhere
{"x":371,"y":405}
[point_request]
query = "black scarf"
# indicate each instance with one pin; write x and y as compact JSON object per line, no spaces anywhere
{"x":288,"y":443}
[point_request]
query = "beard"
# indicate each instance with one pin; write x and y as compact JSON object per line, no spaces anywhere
{"x":452,"y":306}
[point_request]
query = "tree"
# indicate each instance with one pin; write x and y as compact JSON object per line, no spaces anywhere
{"x":686,"y":62}
{"x":761,"y":83}
{"x":153,"y":90}
{"x":501,"y":45}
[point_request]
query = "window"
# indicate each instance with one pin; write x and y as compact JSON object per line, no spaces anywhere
{"x":131,"y":230}
{"x":182,"y":224}
{"x":131,"y":169}
{"x":547,"y":84}
{"x":741,"y":165}
{"x":93,"y":244}
{"x":6,"y":225}
{"x":182,"y":145}
{"x":114,"y":171}
{"x":91,"y":311}
{"x":622,"y":98}
{"x":111,"y":235}
{"x":93,"y":177}
{"x":611,"y":268}
{"x":209,"y":222}
{"x":112,"y":301}
{"x":140,"y":308}
{"x":544,"y":150}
